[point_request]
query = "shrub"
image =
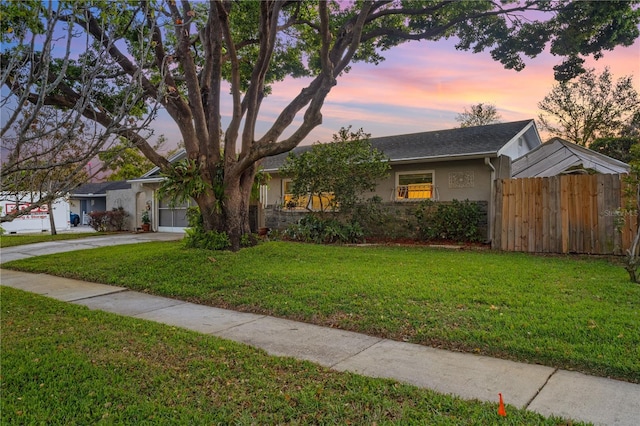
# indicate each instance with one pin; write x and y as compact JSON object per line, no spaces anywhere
{"x":98,"y":221}
{"x":381,"y":221}
{"x":114,"y":220}
{"x":117,"y":218}
{"x":313,"y":229}
{"x":208,"y":240}
{"x":457,"y":221}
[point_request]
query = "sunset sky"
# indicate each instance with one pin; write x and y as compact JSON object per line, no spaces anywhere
{"x":422,"y":86}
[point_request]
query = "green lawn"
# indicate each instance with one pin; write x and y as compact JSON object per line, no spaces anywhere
{"x":18,"y":240}
{"x":567,"y":312}
{"x":64,"y":364}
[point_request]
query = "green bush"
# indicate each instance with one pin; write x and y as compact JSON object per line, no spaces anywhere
{"x":113,"y":220}
{"x":380,"y":221}
{"x":313,"y":229}
{"x":457,"y":221}
{"x":208,"y":240}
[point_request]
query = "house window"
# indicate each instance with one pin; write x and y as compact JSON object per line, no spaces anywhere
{"x":316,"y":203}
{"x":289,"y":201}
{"x":414,"y":185}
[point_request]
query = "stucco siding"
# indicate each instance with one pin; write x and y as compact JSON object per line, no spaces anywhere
{"x":124,"y":198}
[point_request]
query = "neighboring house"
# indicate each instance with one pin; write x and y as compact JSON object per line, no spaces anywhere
{"x":558,"y":156}
{"x":101,"y":196}
{"x":440,"y":165}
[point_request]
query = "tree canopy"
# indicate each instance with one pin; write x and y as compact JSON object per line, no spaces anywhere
{"x":118,"y":63}
{"x":589,"y":107}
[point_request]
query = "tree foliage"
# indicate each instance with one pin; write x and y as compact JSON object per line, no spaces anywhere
{"x":479,"y":115}
{"x":618,"y":148}
{"x":126,"y":161}
{"x":131,"y":59}
{"x":589,"y":107}
{"x":339,"y":172}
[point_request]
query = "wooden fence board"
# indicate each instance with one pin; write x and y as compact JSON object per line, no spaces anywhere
{"x":562,"y":214}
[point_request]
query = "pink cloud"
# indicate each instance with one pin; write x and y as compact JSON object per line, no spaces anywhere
{"x":423,"y":86}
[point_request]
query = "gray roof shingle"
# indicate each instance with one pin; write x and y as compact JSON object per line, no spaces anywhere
{"x":100,"y":188}
{"x":460,"y":142}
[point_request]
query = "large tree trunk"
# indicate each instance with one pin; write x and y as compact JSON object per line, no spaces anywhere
{"x":235,"y":207}
{"x":211,"y":213}
{"x":230,"y":212}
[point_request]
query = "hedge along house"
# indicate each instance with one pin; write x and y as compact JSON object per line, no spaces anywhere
{"x":440,"y":165}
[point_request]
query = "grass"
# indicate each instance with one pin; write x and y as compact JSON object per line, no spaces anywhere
{"x":567,"y":312}
{"x":65,"y":364}
{"x":18,"y":240}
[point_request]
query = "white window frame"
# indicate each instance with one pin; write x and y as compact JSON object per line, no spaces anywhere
{"x":414,"y":172}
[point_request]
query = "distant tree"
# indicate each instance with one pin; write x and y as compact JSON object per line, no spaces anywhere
{"x":589,"y":107}
{"x":337,"y":173}
{"x":479,"y":115}
{"x":632,"y":129}
{"x":126,"y":161}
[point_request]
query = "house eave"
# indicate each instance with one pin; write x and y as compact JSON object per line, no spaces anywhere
{"x":437,"y":158}
{"x":147,"y":180}
{"x":88,"y":195}
{"x":430,"y":159}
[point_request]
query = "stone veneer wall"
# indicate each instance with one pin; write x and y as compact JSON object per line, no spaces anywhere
{"x":398,"y":221}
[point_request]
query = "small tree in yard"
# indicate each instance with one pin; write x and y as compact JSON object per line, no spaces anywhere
{"x":337,"y":174}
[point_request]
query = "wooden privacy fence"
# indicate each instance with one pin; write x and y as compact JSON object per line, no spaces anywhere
{"x":563,"y":214}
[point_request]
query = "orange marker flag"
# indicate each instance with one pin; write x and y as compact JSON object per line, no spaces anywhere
{"x":501,"y":410}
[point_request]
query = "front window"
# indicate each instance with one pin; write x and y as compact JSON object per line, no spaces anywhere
{"x":289,"y":201}
{"x":414,"y":185}
{"x":315,"y":203}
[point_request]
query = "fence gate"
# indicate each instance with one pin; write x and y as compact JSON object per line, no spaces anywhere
{"x":563,"y":214}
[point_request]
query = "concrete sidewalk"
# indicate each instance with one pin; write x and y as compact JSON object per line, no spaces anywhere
{"x":538,"y":388}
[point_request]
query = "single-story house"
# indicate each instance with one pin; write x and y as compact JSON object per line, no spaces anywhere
{"x":441,"y":165}
{"x":100,"y":196}
{"x":558,"y":156}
